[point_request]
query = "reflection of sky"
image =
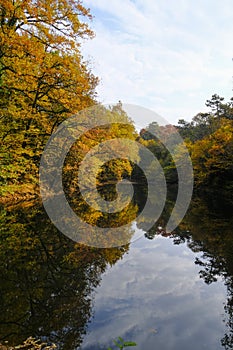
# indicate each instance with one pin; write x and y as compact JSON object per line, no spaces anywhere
{"x":155,"y":297}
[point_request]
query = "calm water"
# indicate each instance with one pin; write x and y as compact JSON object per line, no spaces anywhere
{"x":162,"y":291}
{"x":156,"y":297}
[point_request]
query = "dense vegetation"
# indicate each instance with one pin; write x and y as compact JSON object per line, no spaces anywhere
{"x":209,"y":139}
{"x":44,"y":80}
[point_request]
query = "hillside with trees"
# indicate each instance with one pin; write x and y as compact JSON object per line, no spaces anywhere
{"x":209,"y":139}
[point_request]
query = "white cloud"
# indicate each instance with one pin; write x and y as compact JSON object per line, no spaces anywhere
{"x":161,"y":54}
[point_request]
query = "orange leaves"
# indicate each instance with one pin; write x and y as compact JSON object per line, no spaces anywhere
{"x":214,"y":153}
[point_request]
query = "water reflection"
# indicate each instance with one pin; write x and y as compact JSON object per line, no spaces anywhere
{"x":211,"y":233}
{"x":207,"y":230}
{"x":46,"y":280}
{"x":155,"y":297}
{"x":166,"y":292}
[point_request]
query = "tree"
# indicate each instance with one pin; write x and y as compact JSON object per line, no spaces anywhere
{"x":215,"y":104}
{"x":43,"y":78}
{"x":212,"y":156}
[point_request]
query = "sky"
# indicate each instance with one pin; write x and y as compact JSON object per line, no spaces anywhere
{"x":165,"y":55}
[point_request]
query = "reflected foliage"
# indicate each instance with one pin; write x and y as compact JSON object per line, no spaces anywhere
{"x":159,"y":227}
{"x":212,"y":234}
{"x":47,"y":281}
{"x":207,"y":230}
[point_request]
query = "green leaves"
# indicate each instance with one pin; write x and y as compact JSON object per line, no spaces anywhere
{"x":121,"y":344}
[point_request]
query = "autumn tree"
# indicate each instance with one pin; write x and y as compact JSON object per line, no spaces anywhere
{"x":212,"y":156}
{"x":208,"y":136}
{"x":43,"y":78}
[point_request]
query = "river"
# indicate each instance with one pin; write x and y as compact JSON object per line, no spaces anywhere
{"x":162,"y":291}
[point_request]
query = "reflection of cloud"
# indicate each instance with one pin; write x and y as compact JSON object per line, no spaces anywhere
{"x":155,"y":295}
{"x":169,"y":56}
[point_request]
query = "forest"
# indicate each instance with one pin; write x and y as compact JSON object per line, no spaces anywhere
{"x":209,"y":139}
{"x":44,"y":80}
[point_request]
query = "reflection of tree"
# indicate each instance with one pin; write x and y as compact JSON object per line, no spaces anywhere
{"x":211,"y":234}
{"x":159,"y":226}
{"x":206,"y":230}
{"x":47,"y":281}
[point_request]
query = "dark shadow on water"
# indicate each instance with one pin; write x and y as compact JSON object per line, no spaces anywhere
{"x":47,"y":281}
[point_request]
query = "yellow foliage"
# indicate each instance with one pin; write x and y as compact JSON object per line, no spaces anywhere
{"x":214,"y":153}
{"x":43,"y":78}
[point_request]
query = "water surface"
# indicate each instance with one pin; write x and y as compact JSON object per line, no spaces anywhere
{"x":163,"y":291}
